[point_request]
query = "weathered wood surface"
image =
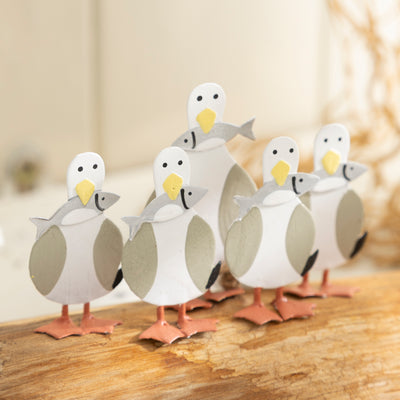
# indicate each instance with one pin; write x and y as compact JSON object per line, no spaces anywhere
{"x":349,"y":350}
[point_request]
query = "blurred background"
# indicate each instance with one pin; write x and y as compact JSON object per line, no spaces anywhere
{"x":113,"y":76}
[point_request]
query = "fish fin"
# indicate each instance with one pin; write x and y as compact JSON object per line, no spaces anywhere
{"x":246,"y":129}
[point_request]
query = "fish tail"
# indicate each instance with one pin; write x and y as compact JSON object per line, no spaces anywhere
{"x":132,"y":222}
{"x":246,"y":129}
{"x":242,"y":202}
{"x":41,"y":225}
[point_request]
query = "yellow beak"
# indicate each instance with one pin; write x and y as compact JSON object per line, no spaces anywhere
{"x":172,"y":186}
{"x":84,"y":190}
{"x":280,"y":172}
{"x":331,"y":162}
{"x":206,"y":119}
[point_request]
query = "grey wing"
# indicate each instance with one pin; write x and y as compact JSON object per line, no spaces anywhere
{"x":300,"y":237}
{"x":47,"y":260}
{"x":139,"y":261}
{"x":199,"y":252}
{"x":243,"y":242}
{"x":107,"y":253}
{"x":238,"y":182}
{"x":349,"y":222}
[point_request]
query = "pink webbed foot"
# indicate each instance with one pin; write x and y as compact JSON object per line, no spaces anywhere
{"x":257,"y":312}
{"x":192,"y":305}
{"x":191,"y":326}
{"x":303,"y":290}
{"x":219,"y":296}
{"x":90,"y":324}
{"x":289,"y":309}
{"x":61,"y":327}
{"x":163,"y":332}
{"x":328,"y":290}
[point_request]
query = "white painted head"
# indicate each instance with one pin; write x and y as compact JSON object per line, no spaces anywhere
{"x":206,"y":105}
{"x":85,"y":174}
{"x":280,"y":158}
{"x":171,"y":170}
{"x":331,"y":147}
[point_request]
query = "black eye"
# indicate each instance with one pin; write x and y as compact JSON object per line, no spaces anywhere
{"x":165,"y":165}
{"x":301,"y":179}
{"x":80,"y":169}
{"x":215,"y":96}
{"x":185,"y":140}
{"x":340,"y":139}
{"x":199,"y":98}
{"x":190,"y":193}
{"x":180,"y":162}
{"x":275,"y":152}
{"x":291,"y":150}
{"x":94,"y":166}
{"x":325,"y":140}
{"x":103,"y":198}
{"x":352,"y":168}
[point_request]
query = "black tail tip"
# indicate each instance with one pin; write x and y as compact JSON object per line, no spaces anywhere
{"x":118,"y":279}
{"x":214,"y":275}
{"x":359,"y":244}
{"x":310,"y":262}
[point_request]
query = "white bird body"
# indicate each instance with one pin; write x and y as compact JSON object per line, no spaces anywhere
{"x":324,"y":206}
{"x":271,"y":267}
{"x":78,"y":282}
{"x":172,"y":283}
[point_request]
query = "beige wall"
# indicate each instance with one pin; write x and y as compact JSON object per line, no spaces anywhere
{"x":45,"y":79}
{"x":114,"y":75}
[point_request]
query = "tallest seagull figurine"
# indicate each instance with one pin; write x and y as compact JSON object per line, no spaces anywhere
{"x":213,"y":167}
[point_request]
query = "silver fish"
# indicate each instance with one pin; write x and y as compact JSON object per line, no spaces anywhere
{"x":99,"y":202}
{"x":299,"y":183}
{"x":192,"y":138}
{"x":188,"y":197}
{"x":349,"y":171}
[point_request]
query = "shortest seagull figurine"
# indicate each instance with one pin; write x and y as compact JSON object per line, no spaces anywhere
{"x":77,"y":252}
{"x":270,"y":246}
{"x":169,"y":257}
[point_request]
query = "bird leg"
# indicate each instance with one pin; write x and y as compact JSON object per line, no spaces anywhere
{"x":328,"y":290}
{"x":191,"y":326}
{"x":61,"y":327}
{"x":90,"y":324}
{"x":161,"y":330}
{"x":257,"y":312}
{"x":291,"y":308}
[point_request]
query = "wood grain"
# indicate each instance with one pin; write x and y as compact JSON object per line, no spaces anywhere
{"x":349,"y":350}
